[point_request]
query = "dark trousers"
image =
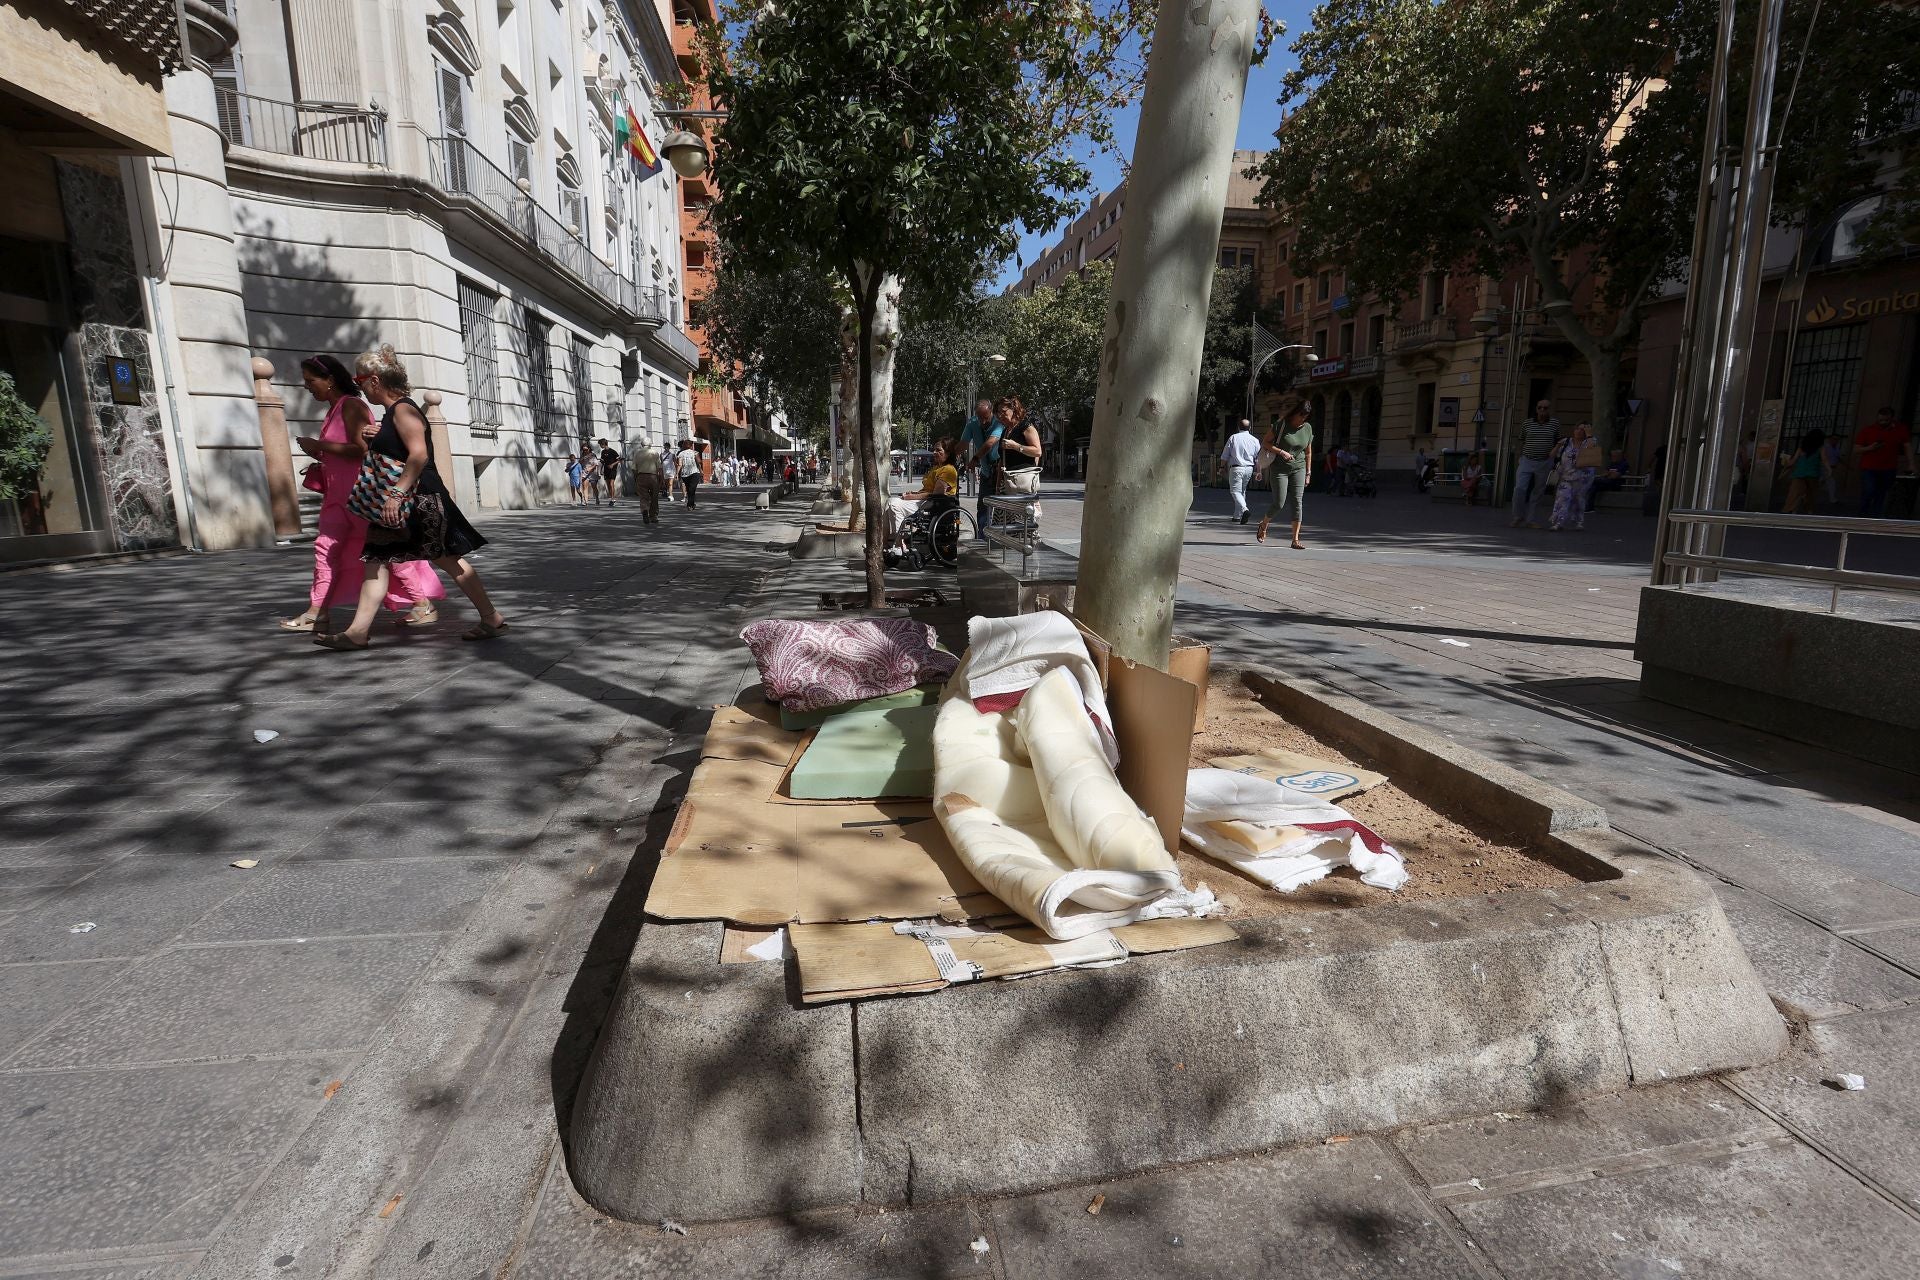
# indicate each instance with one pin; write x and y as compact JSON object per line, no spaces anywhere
{"x":648,"y":484}
{"x":989,"y":488}
{"x":690,"y":484}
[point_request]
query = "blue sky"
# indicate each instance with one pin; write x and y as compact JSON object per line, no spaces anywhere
{"x":1258,"y":119}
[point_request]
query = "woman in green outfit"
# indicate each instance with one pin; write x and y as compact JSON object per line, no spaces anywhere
{"x":1289,"y":451}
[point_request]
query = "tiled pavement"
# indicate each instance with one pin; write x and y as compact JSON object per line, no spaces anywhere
{"x":463,"y":919}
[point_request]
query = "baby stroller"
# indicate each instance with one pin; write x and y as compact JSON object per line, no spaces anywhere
{"x":1360,"y":481}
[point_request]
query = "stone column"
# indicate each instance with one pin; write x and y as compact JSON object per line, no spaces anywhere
{"x":208,"y":318}
{"x":276,"y":450}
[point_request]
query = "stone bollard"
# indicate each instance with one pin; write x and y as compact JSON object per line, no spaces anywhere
{"x":282,"y":492}
{"x":437,"y":434}
{"x":762,"y":502}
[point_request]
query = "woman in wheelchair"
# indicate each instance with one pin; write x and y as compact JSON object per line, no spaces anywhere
{"x":941,"y":481}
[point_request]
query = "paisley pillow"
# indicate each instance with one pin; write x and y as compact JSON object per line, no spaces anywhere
{"x":808,"y":665}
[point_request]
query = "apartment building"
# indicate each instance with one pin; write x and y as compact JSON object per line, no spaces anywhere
{"x":325,"y":176}
{"x":451,"y":180}
{"x":1094,"y":236}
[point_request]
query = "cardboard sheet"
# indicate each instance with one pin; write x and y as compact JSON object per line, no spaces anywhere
{"x":1148,"y":707}
{"x":858,"y":961}
{"x":1321,"y":779}
{"x":736,"y":854}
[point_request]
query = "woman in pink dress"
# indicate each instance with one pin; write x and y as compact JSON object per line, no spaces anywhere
{"x":342,"y":536}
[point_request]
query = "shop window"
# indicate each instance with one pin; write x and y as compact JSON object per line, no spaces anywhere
{"x":1824,"y":386}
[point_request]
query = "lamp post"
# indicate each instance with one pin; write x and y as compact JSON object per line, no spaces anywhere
{"x":973,"y":374}
{"x":1253,"y":374}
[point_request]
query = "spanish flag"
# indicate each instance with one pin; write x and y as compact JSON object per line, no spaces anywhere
{"x":629,"y":135}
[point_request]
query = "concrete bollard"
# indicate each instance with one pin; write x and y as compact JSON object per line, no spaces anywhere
{"x":762,"y":501}
{"x":282,"y":492}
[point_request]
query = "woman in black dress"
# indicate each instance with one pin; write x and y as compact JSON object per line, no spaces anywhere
{"x":435,"y":531}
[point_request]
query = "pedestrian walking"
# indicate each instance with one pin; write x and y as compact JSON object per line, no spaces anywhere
{"x":1538,"y":435}
{"x":1881,"y":450}
{"x":1804,"y":471}
{"x":646,"y":465}
{"x":1238,"y":456}
{"x":1422,"y":470}
{"x":670,"y":472}
{"x":1577,"y":463}
{"x":577,"y":477}
{"x":687,"y":464}
{"x":419,"y":521}
{"x":609,"y":469}
{"x":341,"y":536}
{"x":1832,"y":458}
{"x":1290,"y":448}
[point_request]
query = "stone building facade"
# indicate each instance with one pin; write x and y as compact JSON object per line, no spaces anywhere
{"x":323,"y":176}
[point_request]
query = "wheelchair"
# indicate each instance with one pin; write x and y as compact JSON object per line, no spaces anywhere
{"x":933,"y":535}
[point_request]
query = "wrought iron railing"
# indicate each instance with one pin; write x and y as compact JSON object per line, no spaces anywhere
{"x":350,"y":135}
{"x":460,"y":168}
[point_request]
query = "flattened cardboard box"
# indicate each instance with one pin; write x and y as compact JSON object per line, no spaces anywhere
{"x":1322,"y":779}
{"x":860,"y":961}
{"x":736,"y":854}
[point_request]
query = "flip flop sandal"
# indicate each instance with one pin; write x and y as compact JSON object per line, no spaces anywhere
{"x":338,"y":640}
{"x":482,"y":631}
{"x":296,"y":624}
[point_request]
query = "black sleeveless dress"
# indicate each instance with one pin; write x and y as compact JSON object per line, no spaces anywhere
{"x":436,"y":529}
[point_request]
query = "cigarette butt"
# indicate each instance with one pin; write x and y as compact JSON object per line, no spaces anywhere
{"x":1098,"y":1200}
{"x":391,"y":1205}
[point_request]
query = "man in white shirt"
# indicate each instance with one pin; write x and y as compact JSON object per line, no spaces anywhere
{"x":647,"y":463}
{"x":1238,"y":457}
{"x":687,"y":463}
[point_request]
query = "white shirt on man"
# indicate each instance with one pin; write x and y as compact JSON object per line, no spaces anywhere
{"x":1242,"y":449}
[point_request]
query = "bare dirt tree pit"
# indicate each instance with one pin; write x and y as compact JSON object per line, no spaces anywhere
{"x":1445,"y":858}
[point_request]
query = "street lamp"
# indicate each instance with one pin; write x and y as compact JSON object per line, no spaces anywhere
{"x":1253,"y":375}
{"x":973,"y":373}
{"x":685,"y":152}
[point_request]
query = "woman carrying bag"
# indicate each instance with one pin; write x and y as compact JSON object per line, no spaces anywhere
{"x":410,"y":514}
{"x":340,"y":537}
{"x":1580,"y":460}
{"x":1019,"y":450}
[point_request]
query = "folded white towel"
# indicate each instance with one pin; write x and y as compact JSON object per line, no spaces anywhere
{"x":1307,"y":838}
{"x":1007,"y":656}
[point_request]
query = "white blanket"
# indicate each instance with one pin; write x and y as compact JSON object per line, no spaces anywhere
{"x":1031,"y":805}
{"x":1009,"y":655}
{"x":1279,"y":836}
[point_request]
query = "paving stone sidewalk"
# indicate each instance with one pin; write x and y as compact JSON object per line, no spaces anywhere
{"x":168,"y":1093}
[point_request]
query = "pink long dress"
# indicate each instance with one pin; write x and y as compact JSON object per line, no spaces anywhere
{"x":338,"y":572}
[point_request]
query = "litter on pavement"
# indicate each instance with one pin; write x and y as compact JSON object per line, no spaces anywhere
{"x":265,"y":735}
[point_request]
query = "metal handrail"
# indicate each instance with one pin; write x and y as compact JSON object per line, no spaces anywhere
{"x":313,"y":130}
{"x":1808,"y":523}
{"x":1839,"y":577}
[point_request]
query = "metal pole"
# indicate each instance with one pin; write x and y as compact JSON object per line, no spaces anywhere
{"x":1509,"y":383}
{"x":1700,"y":294}
{"x":1735,"y":345}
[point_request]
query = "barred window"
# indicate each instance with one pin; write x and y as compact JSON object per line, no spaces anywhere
{"x":483,"y":365}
